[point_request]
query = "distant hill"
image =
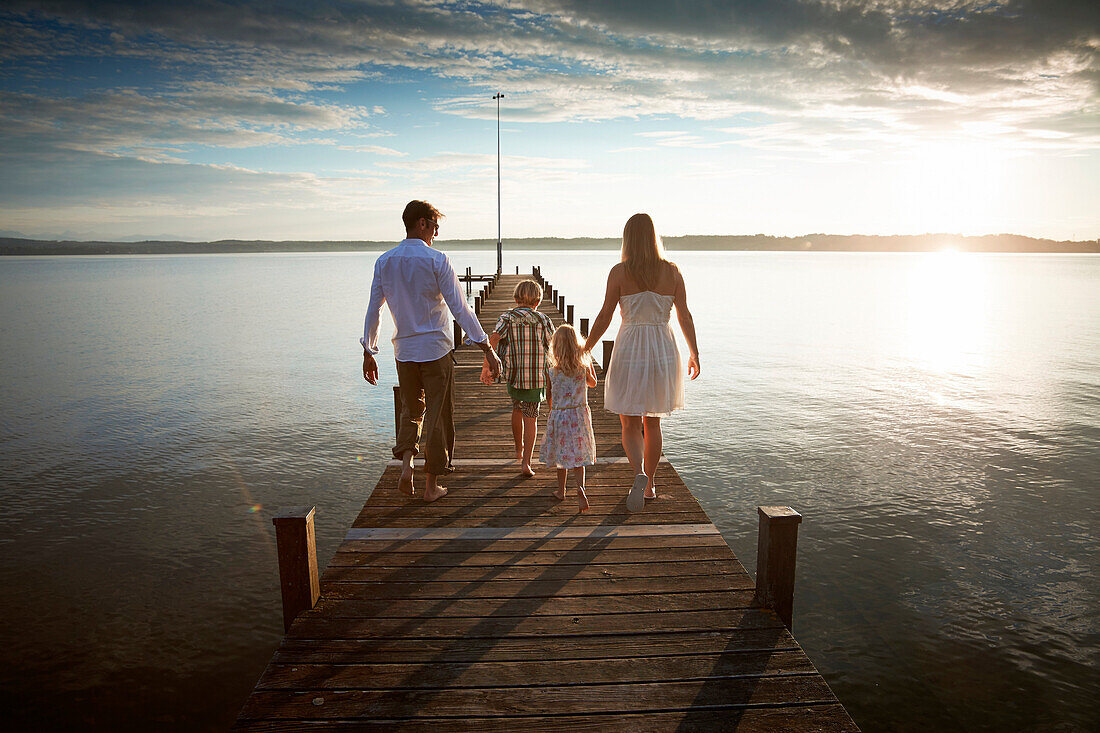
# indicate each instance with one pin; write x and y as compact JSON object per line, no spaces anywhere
{"x":749,"y":242}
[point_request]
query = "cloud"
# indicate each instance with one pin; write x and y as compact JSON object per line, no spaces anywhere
{"x":806,"y":79}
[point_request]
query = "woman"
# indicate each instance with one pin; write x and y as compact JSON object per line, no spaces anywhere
{"x":645,"y":380}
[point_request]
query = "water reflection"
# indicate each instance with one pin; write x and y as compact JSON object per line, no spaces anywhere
{"x":947,"y":317}
{"x":936,"y":418}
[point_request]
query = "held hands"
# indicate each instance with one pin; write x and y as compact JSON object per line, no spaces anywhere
{"x":370,"y":368}
{"x":486,"y":377}
{"x":693,"y":366}
{"x":492,"y":361}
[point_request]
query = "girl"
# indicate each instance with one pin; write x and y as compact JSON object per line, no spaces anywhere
{"x":569,"y":442}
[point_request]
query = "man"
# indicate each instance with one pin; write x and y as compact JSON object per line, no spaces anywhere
{"x":420,"y":286}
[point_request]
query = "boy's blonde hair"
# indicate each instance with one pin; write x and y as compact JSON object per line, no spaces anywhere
{"x":567,"y":353}
{"x":528,"y":293}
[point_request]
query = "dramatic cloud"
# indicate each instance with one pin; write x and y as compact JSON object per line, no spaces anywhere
{"x":243,"y":85}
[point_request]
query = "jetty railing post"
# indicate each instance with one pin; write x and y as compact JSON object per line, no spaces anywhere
{"x":517,"y":269}
{"x":584,"y":327}
{"x":477,"y":305}
{"x":297,"y":547}
{"x":775,"y":559}
{"x":396,"y":412}
{"x":569,"y":314}
{"x":608,"y":347}
{"x":458,"y":334}
{"x":561,"y":304}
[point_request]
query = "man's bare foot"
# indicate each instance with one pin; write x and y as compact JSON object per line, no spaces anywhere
{"x":560,"y":494}
{"x":526,"y":470}
{"x":405,"y":483}
{"x":432,"y":494}
{"x":582,"y":499}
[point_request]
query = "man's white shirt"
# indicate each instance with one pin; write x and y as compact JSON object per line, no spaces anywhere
{"x":420,"y":286}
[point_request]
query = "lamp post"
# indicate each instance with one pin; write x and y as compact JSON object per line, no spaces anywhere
{"x":500,"y":253}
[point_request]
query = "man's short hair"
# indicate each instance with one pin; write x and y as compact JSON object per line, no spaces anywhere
{"x":415,"y":210}
{"x":528,"y":292}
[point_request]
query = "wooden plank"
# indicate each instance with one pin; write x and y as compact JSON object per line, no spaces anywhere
{"x":496,"y":533}
{"x":301,"y":676}
{"x":575,"y":571}
{"x":494,"y":462}
{"x":723,"y":692}
{"x":311,"y":625}
{"x":641,"y":644}
{"x":358,"y":606}
{"x":747,"y":719}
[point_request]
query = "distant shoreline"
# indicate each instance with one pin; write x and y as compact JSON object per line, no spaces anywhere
{"x":1004,"y":243}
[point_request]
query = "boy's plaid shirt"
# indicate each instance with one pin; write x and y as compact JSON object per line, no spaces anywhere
{"x":528,"y":335}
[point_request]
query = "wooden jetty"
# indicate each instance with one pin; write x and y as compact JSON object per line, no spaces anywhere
{"x":500,"y":608}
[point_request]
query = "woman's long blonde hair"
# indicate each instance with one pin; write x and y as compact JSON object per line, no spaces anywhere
{"x":643,"y":254}
{"x":567,"y":353}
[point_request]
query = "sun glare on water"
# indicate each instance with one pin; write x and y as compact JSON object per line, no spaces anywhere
{"x":947,"y":311}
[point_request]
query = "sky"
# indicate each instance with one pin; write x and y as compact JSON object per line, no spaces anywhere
{"x":320,"y":120}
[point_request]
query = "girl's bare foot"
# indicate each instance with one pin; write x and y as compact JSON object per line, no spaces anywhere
{"x":650,"y":492}
{"x":526,"y":470}
{"x":432,"y":494}
{"x":560,"y":494}
{"x":405,"y":483}
{"x":582,"y":499}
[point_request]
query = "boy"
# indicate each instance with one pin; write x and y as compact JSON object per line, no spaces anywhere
{"x":525,"y":334}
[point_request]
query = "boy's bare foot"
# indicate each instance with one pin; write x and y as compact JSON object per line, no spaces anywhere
{"x":582,"y":499}
{"x":405,"y":483}
{"x":431,"y":494}
{"x":560,"y":494}
{"x":526,"y":470}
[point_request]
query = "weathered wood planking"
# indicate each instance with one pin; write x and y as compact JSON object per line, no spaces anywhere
{"x":500,"y":608}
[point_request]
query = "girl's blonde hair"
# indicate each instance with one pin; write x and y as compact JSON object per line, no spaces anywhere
{"x":643,"y":254}
{"x":567,"y":353}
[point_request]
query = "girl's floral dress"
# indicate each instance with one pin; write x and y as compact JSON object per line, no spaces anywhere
{"x":568,"y":441}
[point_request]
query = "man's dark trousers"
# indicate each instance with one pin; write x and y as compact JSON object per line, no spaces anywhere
{"x":427,"y":391}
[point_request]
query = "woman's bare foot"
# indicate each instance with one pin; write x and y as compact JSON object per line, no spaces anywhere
{"x":650,"y":492}
{"x":582,"y":499}
{"x":405,"y":483}
{"x":432,"y":494}
{"x":560,"y":494}
{"x":526,"y":470}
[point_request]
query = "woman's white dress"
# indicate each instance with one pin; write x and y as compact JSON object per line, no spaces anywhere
{"x":646,"y":376}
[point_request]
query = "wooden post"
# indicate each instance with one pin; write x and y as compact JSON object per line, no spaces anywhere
{"x":561,"y":304}
{"x":569,"y":314}
{"x":517,"y":269}
{"x":608,"y":347}
{"x":396,"y":412}
{"x":477,"y":305}
{"x":297,"y":548}
{"x":584,"y":327}
{"x":458,"y":334}
{"x":775,"y":556}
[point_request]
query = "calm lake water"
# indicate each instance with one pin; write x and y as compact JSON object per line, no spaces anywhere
{"x":936,"y":419}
